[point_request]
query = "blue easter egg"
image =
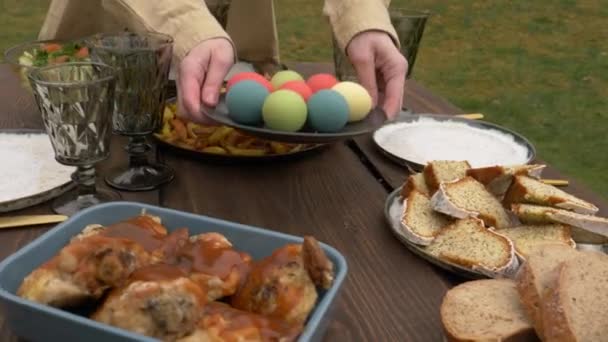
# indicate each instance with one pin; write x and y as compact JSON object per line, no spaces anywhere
{"x":245,"y":100}
{"x":327,"y":111}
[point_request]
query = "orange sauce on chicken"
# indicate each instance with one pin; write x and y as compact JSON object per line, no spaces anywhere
{"x":233,"y":325}
{"x":210,"y":257}
{"x":158,"y":272}
{"x":142,"y":230}
{"x":266,"y":269}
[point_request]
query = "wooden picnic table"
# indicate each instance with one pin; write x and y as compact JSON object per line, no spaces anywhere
{"x":336,"y":194}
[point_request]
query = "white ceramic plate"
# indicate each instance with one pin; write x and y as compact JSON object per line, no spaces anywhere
{"x":414,"y":140}
{"x":29,"y":174}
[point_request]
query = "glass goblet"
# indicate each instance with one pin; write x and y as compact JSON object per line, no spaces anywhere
{"x":76,"y":101}
{"x":142,"y":62}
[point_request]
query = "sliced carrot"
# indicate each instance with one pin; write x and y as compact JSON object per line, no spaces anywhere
{"x":51,"y":47}
{"x":82,"y":53}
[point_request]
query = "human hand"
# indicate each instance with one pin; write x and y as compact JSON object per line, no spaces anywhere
{"x":379,"y":65}
{"x":201,"y":74}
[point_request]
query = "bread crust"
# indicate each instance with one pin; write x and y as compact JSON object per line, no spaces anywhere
{"x":409,"y":233}
{"x":431,"y":181}
{"x":530,"y":298}
{"x":556,"y":327}
{"x":409,"y":186}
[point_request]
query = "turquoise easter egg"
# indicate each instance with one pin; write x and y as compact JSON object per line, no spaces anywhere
{"x":245,"y":100}
{"x":327,"y":111}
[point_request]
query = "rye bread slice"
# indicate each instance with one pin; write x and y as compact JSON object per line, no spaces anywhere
{"x":467,"y":197}
{"x":526,"y":237}
{"x":530,"y":213}
{"x":485,"y":310}
{"x":420,"y":223}
{"x":497,"y":179}
{"x":532,"y":191}
{"x":414,"y":182}
{"x":537,"y":274}
{"x":468,"y":243}
{"x":442,"y":171}
{"x":575,"y":308}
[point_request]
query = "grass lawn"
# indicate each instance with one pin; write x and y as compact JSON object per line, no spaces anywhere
{"x":538,"y":67}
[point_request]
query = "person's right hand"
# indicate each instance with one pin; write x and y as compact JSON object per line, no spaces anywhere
{"x":201,"y":74}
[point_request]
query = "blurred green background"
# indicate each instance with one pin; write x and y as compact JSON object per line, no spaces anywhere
{"x":539,"y":67}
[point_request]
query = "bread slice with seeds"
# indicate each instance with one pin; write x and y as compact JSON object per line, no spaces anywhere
{"x":469,"y":198}
{"x":414,"y":182}
{"x":537,"y":274}
{"x":420,"y":223}
{"x":532,"y":191}
{"x":485,"y":310}
{"x":468,"y":243}
{"x":540,"y":214}
{"x":441,"y":171}
{"x":526,"y":237}
{"x":497,"y":179}
{"x":575,"y":308}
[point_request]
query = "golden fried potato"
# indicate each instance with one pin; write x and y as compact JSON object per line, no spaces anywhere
{"x":217,"y":139}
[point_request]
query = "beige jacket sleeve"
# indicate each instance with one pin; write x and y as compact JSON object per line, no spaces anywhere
{"x":189,"y":22}
{"x":351,"y":17}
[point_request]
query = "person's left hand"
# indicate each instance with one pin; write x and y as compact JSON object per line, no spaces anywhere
{"x":379,"y":65}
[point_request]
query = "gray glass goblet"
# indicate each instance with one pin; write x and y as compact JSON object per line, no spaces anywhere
{"x":76,"y":101}
{"x":142,"y":62}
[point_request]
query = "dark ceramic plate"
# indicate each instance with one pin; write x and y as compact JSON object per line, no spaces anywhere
{"x":416,"y":167}
{"x":43,"y":196}
{"x":374,"y":120}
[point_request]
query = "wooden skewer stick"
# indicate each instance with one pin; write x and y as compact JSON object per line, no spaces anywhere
{"x":556,"y":182}
{"x":471,"y":116}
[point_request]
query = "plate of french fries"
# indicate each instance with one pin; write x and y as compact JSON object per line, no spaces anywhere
{"x":221,"y":141}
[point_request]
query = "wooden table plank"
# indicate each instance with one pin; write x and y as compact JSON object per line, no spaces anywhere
{"x":329,"y":195}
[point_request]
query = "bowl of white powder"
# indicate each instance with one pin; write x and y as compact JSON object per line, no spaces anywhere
{"x":415,"y":140}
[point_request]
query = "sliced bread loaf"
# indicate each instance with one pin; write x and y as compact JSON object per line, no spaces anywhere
{"x":420,"y":223}
{"x":537,"y":274}
{"x":575,"y":308}
{"x":485,"y":310}
{"x":441,"y":171}
{"x":526,"y":237}
{"x":532,"y":191}
{"x":414,"y":182}
{"x":540,"y":214}
{"x":468,"y":243}
{"x":469,"y":198}
{"x":497,"y":179}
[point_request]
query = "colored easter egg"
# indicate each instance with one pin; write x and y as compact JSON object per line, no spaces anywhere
{"x":283,"y":77}
{"x":284,"y":110}
{"x":321,"y":81}
{"x":358,"y":99}
{"x":245,"y":100}
{"x":327,"y":111}
{"x":253,"y":76}
{"x":299,"y":87}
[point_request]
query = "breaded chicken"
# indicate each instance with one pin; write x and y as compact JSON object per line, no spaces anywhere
{"x":83,"y":270}
{"x":222,"y":323}
{"x":159,"y":301}
{"x":281,"y":286}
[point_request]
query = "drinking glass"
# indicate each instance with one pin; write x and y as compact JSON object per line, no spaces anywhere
{"x":142,"y":62}
{"x":76,"y":101}
{"x":409,"y":25}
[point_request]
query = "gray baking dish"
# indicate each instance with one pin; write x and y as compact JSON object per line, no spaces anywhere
{"x":36,"y":322}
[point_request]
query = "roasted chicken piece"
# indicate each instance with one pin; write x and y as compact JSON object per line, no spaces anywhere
{"x":144,"y":229}
{"x":211,"y":262}
{"x":83,"y":270}
{"x":159,"y":301}
{"x":282,"y":286}
{"x":222,"y":323}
